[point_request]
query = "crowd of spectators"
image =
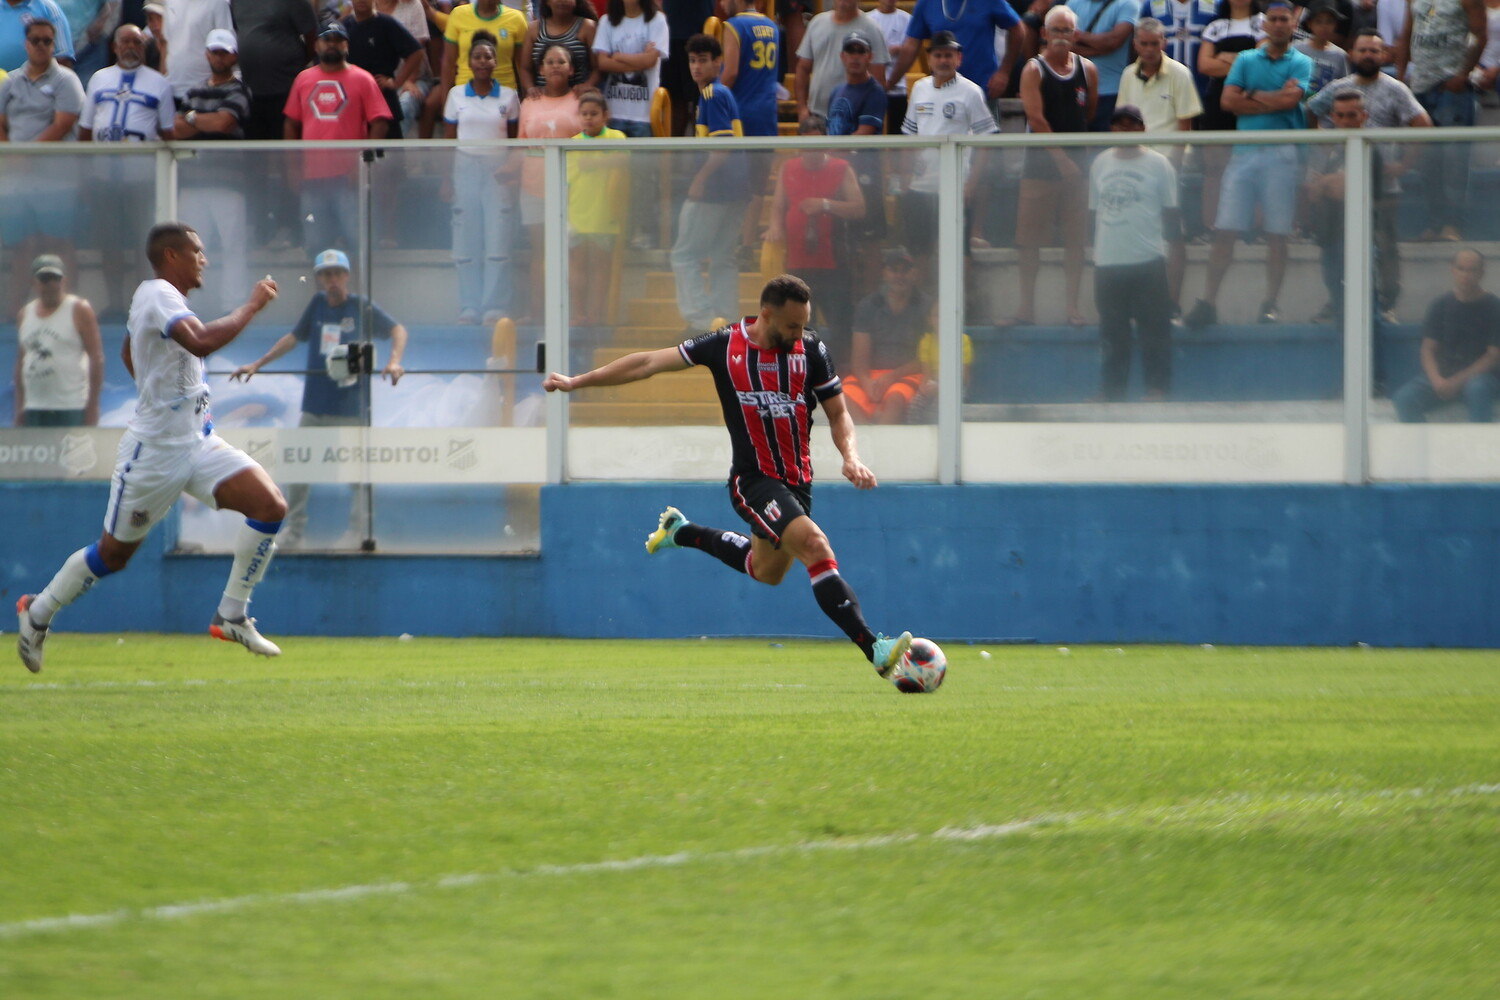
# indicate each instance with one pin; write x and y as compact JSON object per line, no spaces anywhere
{"x":131,"y":71}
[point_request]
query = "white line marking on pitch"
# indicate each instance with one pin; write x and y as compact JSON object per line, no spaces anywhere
{"x":176,"y":911}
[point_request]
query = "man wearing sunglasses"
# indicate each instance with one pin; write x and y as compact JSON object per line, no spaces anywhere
{"x":40,"y":102}
{"x":60,"y":360}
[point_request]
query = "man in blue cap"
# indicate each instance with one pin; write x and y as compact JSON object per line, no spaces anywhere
{"x":334,"y":317}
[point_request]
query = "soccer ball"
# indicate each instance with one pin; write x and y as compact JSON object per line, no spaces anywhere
{"x":922,"y":669}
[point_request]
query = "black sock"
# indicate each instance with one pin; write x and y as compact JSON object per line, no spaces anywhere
{"x":838,"y":602}
{"x":729,"y":547}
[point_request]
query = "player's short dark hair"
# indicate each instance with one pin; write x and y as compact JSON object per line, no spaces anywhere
{"x":783,"y":289}
{"x":166,"y":236}
{"x":705,"y":45}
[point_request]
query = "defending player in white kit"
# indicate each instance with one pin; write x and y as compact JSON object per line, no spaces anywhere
{"x":170,"y":448}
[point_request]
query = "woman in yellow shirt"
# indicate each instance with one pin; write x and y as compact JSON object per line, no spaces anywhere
{"x":507,"y":24}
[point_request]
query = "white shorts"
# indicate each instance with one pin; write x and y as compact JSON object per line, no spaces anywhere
{"x":149,"y":478}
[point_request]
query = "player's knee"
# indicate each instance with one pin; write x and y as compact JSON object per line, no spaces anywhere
{"x":816,"y":548}
{"x":273,"y":507}
{"x":114,"y":554}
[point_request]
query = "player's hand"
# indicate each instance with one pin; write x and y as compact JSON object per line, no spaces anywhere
{"x":263,"y":294}
{"x":243,"y":373}
{"x":557,"y":381}
{"x":394,"y":371}
{"x":859,"y":474}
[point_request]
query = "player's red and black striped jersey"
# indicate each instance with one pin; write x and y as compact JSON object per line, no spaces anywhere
{"x":768,"y":397}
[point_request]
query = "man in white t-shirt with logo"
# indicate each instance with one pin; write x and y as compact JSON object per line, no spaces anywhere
{"x":1133,"y":194}
{"x":944,"y":103}
{"x":126,"y":102}
{"x":170,"y":448}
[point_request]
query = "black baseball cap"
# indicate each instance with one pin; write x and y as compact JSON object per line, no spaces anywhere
{"x":334,"y":29}
{"x":1129,"y":112}
{"x":945,"y":40}
{"x":855,"y":40}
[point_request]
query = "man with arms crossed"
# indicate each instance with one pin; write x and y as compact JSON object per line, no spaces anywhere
{"x":770,"y":372}
{"x":170,"y":448}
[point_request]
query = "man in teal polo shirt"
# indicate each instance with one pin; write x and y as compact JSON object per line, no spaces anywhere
{"x":1265,"y":88}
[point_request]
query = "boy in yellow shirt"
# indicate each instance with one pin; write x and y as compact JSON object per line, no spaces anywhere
{"x":596,"y":190}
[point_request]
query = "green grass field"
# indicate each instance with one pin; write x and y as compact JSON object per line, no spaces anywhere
{"x":437,"y":818}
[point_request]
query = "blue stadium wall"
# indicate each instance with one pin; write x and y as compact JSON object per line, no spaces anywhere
{"x":1386,"y":565}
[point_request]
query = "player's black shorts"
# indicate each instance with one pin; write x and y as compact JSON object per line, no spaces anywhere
{"x":768,"y":505}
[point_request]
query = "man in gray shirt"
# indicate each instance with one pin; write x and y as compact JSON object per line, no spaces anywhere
{"x":40,"y":102}
{"x":1440,"y":47}
{"x":820,"y":69}
{"x":1388,"y":103}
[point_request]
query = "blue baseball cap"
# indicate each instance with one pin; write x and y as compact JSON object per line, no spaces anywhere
{"x":330,"y":258}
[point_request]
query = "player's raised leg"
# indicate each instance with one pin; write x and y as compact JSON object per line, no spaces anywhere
{"x":251,"y":492}
{"x":675,"y":531}
{"x":807,"y":543}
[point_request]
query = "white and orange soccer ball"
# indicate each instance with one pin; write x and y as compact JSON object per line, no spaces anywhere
{"x":922,"y":669}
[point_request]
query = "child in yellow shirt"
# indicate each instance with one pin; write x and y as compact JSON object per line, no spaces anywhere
{"x":597,"y":189}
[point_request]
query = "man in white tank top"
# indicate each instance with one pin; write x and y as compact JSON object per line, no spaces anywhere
{"x":59,"y":357}
{"x":170,"y":449}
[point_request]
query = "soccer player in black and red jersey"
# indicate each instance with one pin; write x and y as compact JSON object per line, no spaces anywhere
{"x":770,"y":371}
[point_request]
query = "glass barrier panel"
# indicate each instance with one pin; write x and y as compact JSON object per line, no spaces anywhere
{"x":1436,"y":356}
{"x":1117,"y":337}
{"x":703,"y":235}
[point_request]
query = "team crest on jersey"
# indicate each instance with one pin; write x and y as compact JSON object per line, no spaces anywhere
{"x":1082,"y":94}
{"x":797,"y":364}
{"x":773,"y":510}
{"x":736,"y":358}
{"x":347,"y":324}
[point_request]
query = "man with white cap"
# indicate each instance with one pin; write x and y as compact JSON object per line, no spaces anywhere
{"x":212,"y":188}
{"x":59,"y":358}
{"x":127,"y":102}
{"x":335,"y":316}
{"x":186,"y":27}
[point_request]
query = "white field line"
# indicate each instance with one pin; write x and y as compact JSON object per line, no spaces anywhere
{"x":176,"y":911}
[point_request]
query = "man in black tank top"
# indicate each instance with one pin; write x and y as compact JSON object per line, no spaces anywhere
{"x":1059,"y":90}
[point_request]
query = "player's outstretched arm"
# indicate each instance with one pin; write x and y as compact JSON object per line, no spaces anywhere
{"x":630,"y":368}
{"x":202,"y":339}
{"x":841,"y":425}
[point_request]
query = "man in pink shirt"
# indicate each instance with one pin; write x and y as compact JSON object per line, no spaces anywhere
{"x":333,"y":100}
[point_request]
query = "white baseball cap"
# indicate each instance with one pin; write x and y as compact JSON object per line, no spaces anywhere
{"x":222,"y":39}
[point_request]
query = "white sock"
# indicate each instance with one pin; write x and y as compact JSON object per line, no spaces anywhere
{"x":75,"y":577}
{"x":253,"y":550}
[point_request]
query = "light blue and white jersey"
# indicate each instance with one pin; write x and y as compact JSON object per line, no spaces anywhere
{"x":172,"y":403}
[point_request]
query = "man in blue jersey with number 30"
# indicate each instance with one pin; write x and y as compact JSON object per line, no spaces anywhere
{"x":752,"y":50}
